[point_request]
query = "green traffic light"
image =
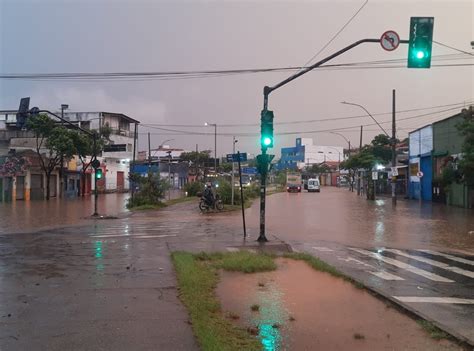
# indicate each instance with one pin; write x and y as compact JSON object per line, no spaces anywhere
{"x":267,"y":141}
{"x":420,"y":55}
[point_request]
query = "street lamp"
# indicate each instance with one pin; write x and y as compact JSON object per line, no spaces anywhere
{"x":362,"y":107}
{"x":234,"y":141}
{"x":348,"y":141}
{"x":215,"y":144}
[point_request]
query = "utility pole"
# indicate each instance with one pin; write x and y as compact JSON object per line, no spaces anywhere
{"x":149,"y":152}
{"x":360,"y":149}
{"x":132,"y":167}
{"x":394,"y":153}
{"x":233,"y":166}
{"x":169,"y":174}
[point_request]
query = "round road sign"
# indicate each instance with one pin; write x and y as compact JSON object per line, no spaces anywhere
{"x":420,"y":174}
{"x":390,"y":40}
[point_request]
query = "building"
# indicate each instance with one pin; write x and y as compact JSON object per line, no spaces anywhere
{"x":21,"y":177}
{"x":420,"y":163}
{"x":117,"y":155}
{"x":447,"y":148}
{"x":304,"y":153}
{"x":432,"y":149}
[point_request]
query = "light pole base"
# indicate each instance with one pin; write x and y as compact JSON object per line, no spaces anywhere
{"x":262,"y":239}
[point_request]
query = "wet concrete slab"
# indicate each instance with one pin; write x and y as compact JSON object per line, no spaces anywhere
{"x":302,"y":309}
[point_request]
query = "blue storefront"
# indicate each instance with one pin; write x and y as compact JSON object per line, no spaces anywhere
{"x":421,"y":163}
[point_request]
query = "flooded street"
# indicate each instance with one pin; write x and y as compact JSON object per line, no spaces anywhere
{"x":336,"y":215}
{"x":20,"y":216}
{"x":303,"y":309}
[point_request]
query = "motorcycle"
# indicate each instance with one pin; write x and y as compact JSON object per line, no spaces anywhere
{"x":205,"y":206}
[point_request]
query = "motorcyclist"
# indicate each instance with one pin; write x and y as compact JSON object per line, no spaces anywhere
{"x":208,"y":194}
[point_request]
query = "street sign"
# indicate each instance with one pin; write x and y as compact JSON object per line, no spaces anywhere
{"x":394,"y":171}
{"x":390,"y":40}
{"x":235,"y":157}
{"x":419,"y":174}
{"x":375,"y":175}
{"x":249,"y":170}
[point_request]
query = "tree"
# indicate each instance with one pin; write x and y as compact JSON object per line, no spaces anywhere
{"x":318,"y":169}
{"x":198,"y":159}
{"x":85,"y":147}
{"x":57,"y":140}
{"x":466,"y":163}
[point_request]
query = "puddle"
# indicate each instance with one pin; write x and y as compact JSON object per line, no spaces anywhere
{"x":302,"y":309}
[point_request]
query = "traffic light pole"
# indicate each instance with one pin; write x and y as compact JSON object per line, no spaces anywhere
{"x":266,"y":92}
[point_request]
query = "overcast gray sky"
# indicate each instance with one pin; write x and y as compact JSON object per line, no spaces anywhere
{"x":134,"y":36}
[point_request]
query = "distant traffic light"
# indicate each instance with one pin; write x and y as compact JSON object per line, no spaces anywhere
{"x":266,"y":129}
{"x":98,"y":173}
{"x":420,"y":42}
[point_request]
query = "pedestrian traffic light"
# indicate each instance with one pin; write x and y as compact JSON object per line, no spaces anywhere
{"x":420,"y":42}
{"x":266,"y":129}
{"x":98,"y":173}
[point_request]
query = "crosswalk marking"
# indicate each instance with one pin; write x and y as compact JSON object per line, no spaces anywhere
{"x":451,"y":257}
{"x":434,"y":263}
{"x":373,"y":270}
{"x":427,"y":299}
{"x":403,"y":265}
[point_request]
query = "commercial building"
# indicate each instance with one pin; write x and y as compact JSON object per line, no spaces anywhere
{"x":304,"y":153}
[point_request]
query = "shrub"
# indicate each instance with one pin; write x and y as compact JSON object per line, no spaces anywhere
{"x":193,"y":188}
{"x":151,"y":191}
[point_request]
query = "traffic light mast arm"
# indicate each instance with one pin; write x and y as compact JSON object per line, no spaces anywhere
{"x":65,"y":121}
{"x":267,"y":90}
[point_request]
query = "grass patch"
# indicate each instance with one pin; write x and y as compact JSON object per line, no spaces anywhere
{"x":322,"y":266}
{"x":246,"y":262}
{"x":197,"y":278}
{"x":180,"y":200}
{"x":147,"y":207}
{"x":433,"y":330}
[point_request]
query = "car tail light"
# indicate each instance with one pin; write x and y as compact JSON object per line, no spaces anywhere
{"x":287,"y":188}
{"x":299,"y":188}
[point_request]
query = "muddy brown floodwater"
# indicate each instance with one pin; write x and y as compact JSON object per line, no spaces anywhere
{"x":303,"y":309}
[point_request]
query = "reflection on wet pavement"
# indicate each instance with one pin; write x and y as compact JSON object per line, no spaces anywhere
{"x":302,"y":309}
{"x":336,"y":215}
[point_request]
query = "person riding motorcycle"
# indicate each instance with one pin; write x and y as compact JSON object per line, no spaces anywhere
{"x":209,"y":195}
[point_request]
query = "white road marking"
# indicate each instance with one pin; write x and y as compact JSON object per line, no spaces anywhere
{"x":323,"y":249}
{"x":403,"y":265}
{"x":451,"y":257}
{"x":434,"y":263}
{"x":452,"y":300}
{"x":373,"y":270}
{"x":132,"y":236}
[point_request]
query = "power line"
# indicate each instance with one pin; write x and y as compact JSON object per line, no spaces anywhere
{"x":175,"y":75}
{"x":233,"y":125}
{"x":453,"y":48}
{"x":337,"y":34}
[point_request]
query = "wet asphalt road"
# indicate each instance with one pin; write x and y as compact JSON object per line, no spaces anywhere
{"x":70,"y":288}
{"x":106,"y":285}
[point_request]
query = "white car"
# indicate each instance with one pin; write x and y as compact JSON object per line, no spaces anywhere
{"x":313,"y":185}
